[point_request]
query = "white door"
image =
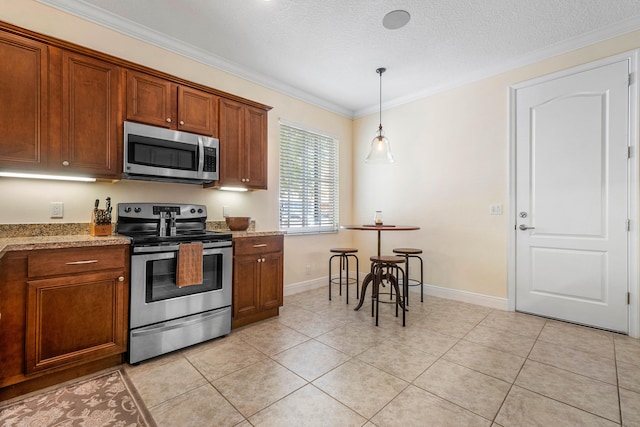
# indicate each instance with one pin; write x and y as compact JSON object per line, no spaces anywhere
{"x":571,"y":197}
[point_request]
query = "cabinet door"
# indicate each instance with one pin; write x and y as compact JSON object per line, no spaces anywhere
{"x":197,"y":111}
{"x":150,"y":100}
{"x":271,"y":281}
{"x":75,"y":319}
{"x":255,"y":148}
{"x":13,"y":290}
{"x":23,"y":110}
{"x":246,"y":274}
{"x":231,"y":135}
{"x":88,"y":139}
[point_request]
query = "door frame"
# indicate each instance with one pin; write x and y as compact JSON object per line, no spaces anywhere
{"x":634,"y":184}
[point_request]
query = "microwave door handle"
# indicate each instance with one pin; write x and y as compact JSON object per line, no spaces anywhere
{"x":200,"y":155}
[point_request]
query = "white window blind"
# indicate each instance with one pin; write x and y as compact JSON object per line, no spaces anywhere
{"x":308,"y":181}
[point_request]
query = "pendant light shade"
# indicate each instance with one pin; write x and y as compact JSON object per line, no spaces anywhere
{"x":380,"y":152}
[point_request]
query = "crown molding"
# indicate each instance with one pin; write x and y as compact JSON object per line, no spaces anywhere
{"x":129,"y":28}
{"x":122,"y":25}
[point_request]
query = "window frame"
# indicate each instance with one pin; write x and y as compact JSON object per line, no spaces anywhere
{"x":312,"y":184}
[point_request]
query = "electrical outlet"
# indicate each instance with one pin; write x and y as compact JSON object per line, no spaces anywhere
{"x":307,"y":269}
{"x":56,"y":210}
{"x":225,"y":211}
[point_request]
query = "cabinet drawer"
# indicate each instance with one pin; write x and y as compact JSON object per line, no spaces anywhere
{"x":54,"y":262}
{"x":258,"y":245}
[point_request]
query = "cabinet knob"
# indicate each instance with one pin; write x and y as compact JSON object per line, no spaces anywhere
{"x":121,"y":279}
{"x":168,"y":119}
{"x":65,"y":163}
{"x":181,"y":123}
{"x":259,"y":259}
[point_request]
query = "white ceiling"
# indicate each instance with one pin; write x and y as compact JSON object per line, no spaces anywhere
{"x":326,"y":52}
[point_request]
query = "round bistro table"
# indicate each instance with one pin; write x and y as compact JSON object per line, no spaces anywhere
{"x":379,"y":228}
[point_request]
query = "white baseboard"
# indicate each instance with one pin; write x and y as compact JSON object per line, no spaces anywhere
{"x":307,"y":285}
{"x":463,"y":296}
{"x":431,"y":290}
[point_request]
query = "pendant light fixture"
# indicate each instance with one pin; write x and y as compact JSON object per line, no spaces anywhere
{"x":380,"y":152}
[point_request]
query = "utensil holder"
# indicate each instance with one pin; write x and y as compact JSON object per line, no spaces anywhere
{"x":100,"y":229}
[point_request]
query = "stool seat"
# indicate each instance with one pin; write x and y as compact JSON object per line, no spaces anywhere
{"x":385,"y":259}
{"x":343,"y":250}
{"x":408,"y":251}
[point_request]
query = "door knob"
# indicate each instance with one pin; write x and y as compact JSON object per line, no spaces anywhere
{"x":524,"y":227}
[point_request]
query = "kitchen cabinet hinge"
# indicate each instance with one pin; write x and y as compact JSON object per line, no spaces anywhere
{"x":628,"y":225}
{"x":628,"y":152}
{"x":630,"y":79}
{"x":628,"y":298}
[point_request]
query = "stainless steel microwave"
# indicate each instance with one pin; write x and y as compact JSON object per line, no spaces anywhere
{"x":156,"y":154}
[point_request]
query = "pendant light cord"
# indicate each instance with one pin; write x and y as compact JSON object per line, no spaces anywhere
{"x":380,"y":71}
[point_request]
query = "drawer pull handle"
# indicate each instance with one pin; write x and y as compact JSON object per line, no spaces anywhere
{"x":261,"y":245}
{"x":91,"y":261}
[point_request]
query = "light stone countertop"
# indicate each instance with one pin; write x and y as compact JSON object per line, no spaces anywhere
{"x":26,"y":237}
{"x":9,"y":244}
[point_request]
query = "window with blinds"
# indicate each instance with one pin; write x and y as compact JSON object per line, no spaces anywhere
{"x":308,"y":181}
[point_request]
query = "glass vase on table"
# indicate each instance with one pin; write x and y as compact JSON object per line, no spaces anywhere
{"x":377,"y":218}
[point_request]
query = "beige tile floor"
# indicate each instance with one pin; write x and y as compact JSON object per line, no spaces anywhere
{"x":455,"y":364}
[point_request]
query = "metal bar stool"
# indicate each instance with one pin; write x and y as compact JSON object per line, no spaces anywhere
{"x":344,"y":254}
{"x":387,"y":268}
{"x":412,"y":253}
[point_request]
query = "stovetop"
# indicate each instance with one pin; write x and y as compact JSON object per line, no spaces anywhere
{"x":141,"y":222}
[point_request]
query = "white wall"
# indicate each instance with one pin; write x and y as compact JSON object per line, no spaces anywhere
{"x":451,"y":153}
{"x":27,"y":201}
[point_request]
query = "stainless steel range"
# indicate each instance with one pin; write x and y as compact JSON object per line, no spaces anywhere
{"x":180,"y":277}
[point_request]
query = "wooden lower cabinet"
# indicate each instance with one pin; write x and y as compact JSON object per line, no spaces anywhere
{"x":257,"y":278}
{"x":64,"y":314}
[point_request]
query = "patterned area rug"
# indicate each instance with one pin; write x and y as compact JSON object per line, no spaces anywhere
{"x":105,"y":400}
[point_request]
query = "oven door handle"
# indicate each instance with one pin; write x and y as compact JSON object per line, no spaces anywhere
{"x":178,"y":323}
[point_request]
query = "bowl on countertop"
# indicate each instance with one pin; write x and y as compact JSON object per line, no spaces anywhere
{"x":238,"y":223}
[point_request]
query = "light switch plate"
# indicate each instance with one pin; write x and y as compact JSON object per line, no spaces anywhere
{"x":495,"y":209}
{"x":225,"y":211}
{"x":56,"y":210}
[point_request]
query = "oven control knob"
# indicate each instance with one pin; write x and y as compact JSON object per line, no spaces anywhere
{"x":199,"y":210}
{"x":137,"y":210}
{"x":193,"y":210}
{"x":127,"y":209}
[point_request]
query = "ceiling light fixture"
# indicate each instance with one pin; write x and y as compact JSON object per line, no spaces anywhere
{"x":396,"y":19}
{"x":380,"y":152}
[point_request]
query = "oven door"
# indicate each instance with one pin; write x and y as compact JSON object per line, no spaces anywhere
{"x":155,"y":296}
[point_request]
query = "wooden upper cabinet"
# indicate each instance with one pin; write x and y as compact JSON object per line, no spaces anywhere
{"x":23,"y":110}
{"x":159,"y":102}
{"x":85,"y":135}
{"x":255,"y":147}
{"x":243,"y":145}
{"x":197,"y":111}
{"x":149,"y":100}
